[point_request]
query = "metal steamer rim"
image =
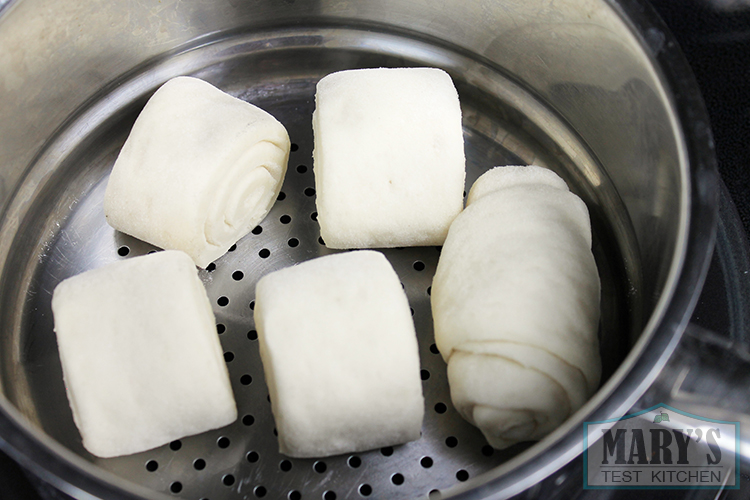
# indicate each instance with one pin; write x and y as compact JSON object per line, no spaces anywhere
{"x":242,"y":459}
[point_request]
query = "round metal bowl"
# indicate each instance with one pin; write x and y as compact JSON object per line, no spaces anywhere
{"x":595,"y":90}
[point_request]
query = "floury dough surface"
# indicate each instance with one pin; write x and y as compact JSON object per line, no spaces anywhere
{"x":199,"y":170}
{"x":389,"y":157}
{"x":515,"y":303}
{"x":340,"y":355}
{"x":141,"y":359}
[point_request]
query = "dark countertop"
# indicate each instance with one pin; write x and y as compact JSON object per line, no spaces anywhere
{"x":715,"y":37}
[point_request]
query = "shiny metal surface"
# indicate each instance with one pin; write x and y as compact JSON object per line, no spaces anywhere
{"x":570,"y":85}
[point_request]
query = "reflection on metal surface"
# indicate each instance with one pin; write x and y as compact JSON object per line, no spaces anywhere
{"x":728,"y":5}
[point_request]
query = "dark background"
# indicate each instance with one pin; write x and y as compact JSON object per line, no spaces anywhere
{"x":715,"y":37}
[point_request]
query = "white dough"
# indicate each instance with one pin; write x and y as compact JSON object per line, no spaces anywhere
{"x":340,"y":355}
{"x":140,"y":356}
{"x":389,"y":157}
{"x":515,"y":303}
{"x":199,"y":170}
{"x":515,"y":175}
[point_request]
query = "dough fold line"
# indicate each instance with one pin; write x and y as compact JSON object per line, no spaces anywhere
{"x":536,"y":404}
{"x":567,"y":378}
{"x":501,"y":351}
{"x":242,"y":193}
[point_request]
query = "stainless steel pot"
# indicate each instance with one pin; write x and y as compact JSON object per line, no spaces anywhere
{"x":594,"y":89}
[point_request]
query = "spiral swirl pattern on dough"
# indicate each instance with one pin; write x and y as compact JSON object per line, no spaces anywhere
{"x":515,"y":303}
{"x":198,"y":171}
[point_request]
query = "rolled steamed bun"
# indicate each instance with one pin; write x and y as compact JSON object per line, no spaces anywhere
{"x":515,"y":302}
{"x":340,"y":355}
{"x":198,"y":171}
{"x":389,"y":157}
{"x":140,"y":356}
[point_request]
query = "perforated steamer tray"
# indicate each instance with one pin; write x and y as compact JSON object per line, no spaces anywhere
{"x":62,"y":232}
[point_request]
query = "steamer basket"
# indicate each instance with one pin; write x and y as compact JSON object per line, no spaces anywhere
{"x":594,"y":90}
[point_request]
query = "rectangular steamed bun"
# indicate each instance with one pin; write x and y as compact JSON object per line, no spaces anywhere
{"x":340,"y":355}
{"x":140,"y":356}
{"x":199,"y":170}
{"x":389,"y":157}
